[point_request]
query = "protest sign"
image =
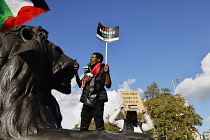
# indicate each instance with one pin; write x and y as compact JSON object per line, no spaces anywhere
{"x":107,"y":34}
{"x":132,"y":100}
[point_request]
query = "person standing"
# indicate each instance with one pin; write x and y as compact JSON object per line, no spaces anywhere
{"x":94,"y":95}
{"x":130,"y":124}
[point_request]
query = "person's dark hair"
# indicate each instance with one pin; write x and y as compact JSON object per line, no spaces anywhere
{"x":99,"y":56}
{"x":134,"y":121}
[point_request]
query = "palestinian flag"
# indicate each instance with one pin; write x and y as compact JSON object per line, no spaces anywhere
{"x":16,"y":12}
{"x":132,"y":106}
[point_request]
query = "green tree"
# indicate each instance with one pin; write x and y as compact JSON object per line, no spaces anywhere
{"x":166,"y":90}
{"x":109,"y":127}
{"x":172,"y":118}
{"x":76,"y":127}
{"x":152,"y":91}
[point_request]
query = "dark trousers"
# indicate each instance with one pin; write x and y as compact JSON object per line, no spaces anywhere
{"x":96,"y":112}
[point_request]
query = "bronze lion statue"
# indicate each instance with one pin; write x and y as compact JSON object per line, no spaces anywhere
{"x":30,"y":67}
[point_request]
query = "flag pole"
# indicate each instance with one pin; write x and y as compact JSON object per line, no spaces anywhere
{"x":174,"y":87}
{"x":106,"y":53}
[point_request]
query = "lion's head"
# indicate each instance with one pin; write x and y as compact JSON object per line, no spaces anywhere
{"x":30,"y":67}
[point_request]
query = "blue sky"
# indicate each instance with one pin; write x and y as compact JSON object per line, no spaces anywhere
{"x":160,"y":41}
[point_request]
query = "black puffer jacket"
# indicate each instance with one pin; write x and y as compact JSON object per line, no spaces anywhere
{"x":99,"y":90}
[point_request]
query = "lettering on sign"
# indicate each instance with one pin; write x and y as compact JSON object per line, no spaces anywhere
{"x":132,"y":100}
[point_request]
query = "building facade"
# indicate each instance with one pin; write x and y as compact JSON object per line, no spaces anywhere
{"x":206,"y":135}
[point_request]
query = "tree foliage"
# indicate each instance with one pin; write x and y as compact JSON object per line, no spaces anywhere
{"x":152,"y":91}
{"x":172,"y":117}
{"x":111,"y":128}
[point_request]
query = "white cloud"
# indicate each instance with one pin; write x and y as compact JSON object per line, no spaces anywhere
{"x":207,"y":119}
{"x":126,"y":85}
{"x":71,"y":107}
{"x":198,"y":88}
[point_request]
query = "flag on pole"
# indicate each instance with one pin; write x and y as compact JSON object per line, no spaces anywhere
{"x":175,"y":81}
{"x":107,"y":34}
{"x":16,"y":12}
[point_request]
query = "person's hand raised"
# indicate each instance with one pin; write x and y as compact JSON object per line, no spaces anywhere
{"x":144,"y":111}
{"x":106,"y":68}
{"x":122,"y":106}
{"x":76,"y":67}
